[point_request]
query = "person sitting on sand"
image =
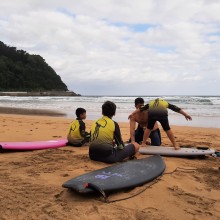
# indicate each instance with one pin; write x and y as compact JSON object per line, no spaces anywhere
{"x":77,"y":135}
{"x":142,"y":119}
{"x":106,"y":142}
{"x":157,"y":111}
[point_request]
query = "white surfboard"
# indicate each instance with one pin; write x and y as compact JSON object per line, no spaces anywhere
{"x":170,"y":151}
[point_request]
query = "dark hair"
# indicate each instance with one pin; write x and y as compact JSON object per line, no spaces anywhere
{"x":108,"y":109}
{"x":80,"y":111}
{"x":138,"y":101}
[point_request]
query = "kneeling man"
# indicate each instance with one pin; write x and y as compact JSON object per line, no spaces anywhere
{"x":142,"y":119}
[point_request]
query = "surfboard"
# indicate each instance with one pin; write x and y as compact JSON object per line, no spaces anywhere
{"x":119,"y":176}
{"x":170,"y":151}
{"x":34,"y":145}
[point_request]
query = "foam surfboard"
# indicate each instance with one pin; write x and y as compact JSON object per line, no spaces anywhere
{"x":119,"y":176}
{"x":170,"y":151}
{"x":34,"y":145}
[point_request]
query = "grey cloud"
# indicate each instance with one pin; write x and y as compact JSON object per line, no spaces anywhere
{"x":94,"y":56}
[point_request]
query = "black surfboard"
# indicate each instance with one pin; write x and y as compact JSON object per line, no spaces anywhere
{"x":119,"y":176}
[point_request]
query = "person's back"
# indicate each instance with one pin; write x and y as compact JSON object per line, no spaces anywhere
{"x":102,"y":131}
{"x":106,"y":142}
{"x":74,"y":135}
{"x":77,"y":135}
{"x":157,"y":110}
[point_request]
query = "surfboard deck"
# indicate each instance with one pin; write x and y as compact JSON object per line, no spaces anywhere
{"x":170,"y":151}
{"x":119,"y":176}
{"x":34,"y":145}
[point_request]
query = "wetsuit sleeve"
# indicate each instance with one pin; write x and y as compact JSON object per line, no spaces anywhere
{"x":173,"y":107}
{"x":117,"y":135}
{"x":82,"y":128}
{"x":146,"y":107}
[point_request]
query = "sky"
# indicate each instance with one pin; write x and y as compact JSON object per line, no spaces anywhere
{"x":121,"y":47}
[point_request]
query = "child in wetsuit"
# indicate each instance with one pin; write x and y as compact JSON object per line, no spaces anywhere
{"x":106,"y":141}
{"x":157,"y":111}
{"x":77,"y":135}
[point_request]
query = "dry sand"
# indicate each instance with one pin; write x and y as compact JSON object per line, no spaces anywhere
{"x":31,"y":181}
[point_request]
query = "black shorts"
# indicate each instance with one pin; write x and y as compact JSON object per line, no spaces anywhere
{"x":163,"y":121}
{"x":107,"y":154}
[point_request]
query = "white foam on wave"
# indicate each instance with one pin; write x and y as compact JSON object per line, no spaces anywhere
{"x":196,"y":106}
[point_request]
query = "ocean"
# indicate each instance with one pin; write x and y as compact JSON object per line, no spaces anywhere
{"x":205,"y":110}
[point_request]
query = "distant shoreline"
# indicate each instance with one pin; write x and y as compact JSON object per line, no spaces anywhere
{"x":45,"y":93}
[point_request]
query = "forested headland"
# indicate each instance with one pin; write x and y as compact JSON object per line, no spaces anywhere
{"x":23,"y":72}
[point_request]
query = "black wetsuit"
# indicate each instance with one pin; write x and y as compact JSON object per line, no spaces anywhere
{"x":155,"y":136}
{"x":77,"y":135}
{"x":106,"y":142}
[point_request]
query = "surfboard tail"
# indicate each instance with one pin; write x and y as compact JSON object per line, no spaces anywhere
{"x":96,"y":189}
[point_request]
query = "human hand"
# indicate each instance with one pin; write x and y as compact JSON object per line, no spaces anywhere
{"x":177,"y":148}
{"x":143,"y":145}
{"x":133,"y":142}
{"x":188,"y":117}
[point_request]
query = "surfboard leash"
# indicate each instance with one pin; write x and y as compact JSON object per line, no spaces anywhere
{"x":182,"y":169}
{"x":106,"y":200}
{"x":138,"y":193}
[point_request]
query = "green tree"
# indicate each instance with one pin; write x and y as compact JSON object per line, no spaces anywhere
{"x":20,"y":71}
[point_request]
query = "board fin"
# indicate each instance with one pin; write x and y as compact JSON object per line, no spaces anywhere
{"x":96,"y":189}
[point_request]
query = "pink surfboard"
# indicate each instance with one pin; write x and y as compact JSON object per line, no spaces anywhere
{"x":34,"y":145}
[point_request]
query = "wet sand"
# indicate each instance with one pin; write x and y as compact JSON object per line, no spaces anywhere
{"x":25,"y":111}
{"x":31,"y":181}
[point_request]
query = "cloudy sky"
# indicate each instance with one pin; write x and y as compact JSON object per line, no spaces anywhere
{"x":121,"y":47}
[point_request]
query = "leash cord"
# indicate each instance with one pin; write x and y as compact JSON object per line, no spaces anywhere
{"x":106,"y":200}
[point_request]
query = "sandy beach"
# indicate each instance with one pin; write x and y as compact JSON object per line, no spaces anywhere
{"x":31,"y":181}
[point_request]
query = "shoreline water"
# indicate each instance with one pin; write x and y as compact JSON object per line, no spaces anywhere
{"x":175,"y":119}
{"x":203,"y":109}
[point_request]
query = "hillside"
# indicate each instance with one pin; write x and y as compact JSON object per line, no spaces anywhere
{"x":20,"y":71}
